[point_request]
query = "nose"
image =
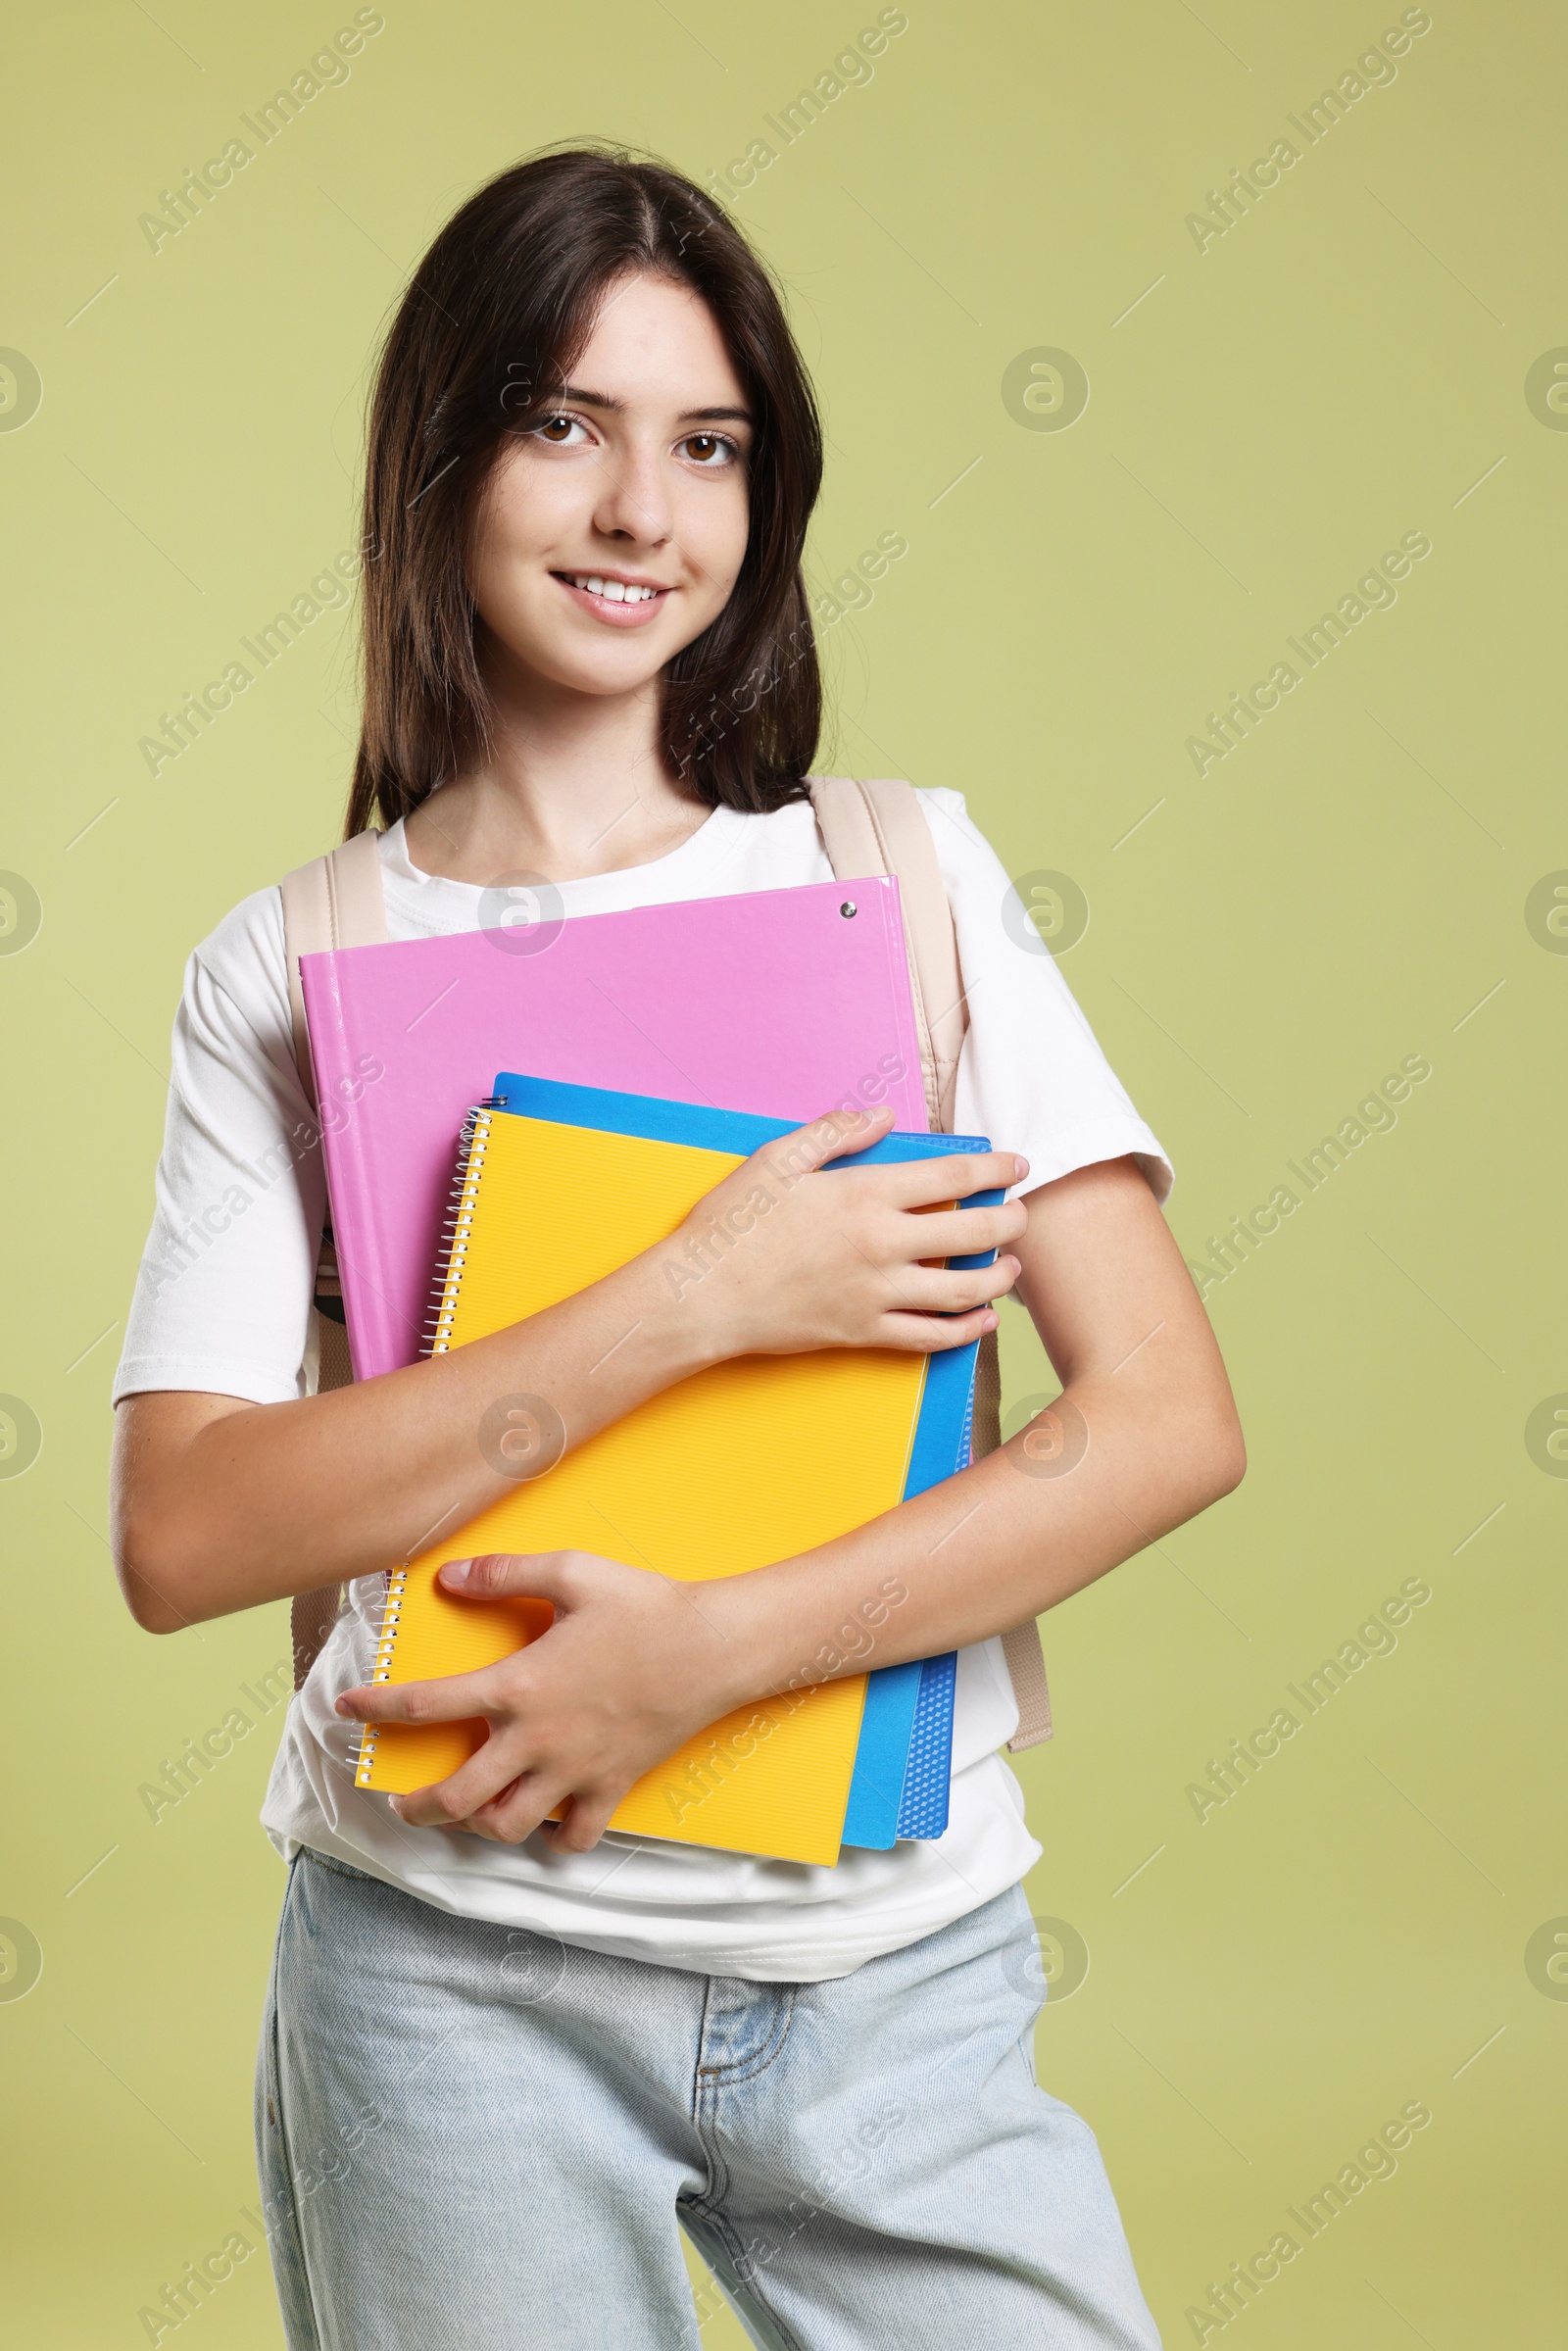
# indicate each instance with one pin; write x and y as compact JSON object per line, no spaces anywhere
{"x":633,"y":504}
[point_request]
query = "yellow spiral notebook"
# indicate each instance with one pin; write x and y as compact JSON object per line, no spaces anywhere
{"x":748,"y":1462}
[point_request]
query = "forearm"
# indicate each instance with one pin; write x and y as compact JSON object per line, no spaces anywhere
{"x":1144,"y":1436}
{"x":261,"y":1501}
{"x":1015,"y":1535}
{"x":221,"y":1504}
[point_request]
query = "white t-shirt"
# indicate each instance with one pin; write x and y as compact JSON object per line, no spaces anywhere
{"x":238,"y":1321}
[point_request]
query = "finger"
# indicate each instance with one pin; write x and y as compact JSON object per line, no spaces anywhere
{"x":959,"y":1232}
{"x":856,"y":1129}
{"x":933,"y":1333}
{"x":929,"y":1287}
{"x":451,"y":1698}
{"x":918,"y":1183}
{"x":474,"y":1825}
{"x":929,"y":1290}
{"x":810,"y":1147}
{"x":481,"y":1821}
{"x":581,"y":1825}
{"x":465,"y":1793}
{"x":539,"y":1576}
{"x":522,"y":1807}
{"x":516,"y":1809}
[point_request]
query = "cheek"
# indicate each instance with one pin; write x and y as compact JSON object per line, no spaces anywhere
{"x":529,"y":511}
{"x":529,"y":507}
{"x":712,"y":524}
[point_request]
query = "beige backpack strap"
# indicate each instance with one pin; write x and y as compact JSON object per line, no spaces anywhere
{"x":335,"y":901}
{"x":880,"y":827}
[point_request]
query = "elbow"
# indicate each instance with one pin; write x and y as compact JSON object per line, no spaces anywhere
{"x":150,"y":1580}
{"x":156,"y":1538}
{"x":149,"y":1602}
{"x":1226,"y":1463}
{"x":1204,"y":1456}
{"x":151,"y":1614}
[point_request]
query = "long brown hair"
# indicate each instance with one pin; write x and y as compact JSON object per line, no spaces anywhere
{"x":484,"y":340}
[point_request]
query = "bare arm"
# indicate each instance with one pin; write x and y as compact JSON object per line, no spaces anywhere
{"x":1143,"y":1437}
{"x":219,"y":1505}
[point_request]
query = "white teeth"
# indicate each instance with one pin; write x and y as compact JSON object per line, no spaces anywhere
{"x":614,"y":591}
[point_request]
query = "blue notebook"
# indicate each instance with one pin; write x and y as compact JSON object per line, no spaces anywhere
{"x":903,"y":1763}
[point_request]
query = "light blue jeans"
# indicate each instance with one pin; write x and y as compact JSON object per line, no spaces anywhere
{"x":477,"y":2139}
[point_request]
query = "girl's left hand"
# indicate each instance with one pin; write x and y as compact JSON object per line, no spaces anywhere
{"x":632,"y":1665}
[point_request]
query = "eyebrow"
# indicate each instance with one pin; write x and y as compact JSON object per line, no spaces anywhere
{"x":691,"y":415}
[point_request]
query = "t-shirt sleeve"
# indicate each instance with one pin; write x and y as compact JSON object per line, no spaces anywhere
{"x":223,"y":1299}
{"x":1031,"y":1074}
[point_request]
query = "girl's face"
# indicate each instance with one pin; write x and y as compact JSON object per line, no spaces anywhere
{"x":610,"y":534}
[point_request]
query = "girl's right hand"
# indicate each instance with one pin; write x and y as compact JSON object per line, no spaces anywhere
{"x":786,"y":1256}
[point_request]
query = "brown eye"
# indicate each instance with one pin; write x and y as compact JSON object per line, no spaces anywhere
{"x":711,"y":449}
{"x":556,"y":428}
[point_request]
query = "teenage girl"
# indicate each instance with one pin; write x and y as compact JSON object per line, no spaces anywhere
{"x":502,"y":2060}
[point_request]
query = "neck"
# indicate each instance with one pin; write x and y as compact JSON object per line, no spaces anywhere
{"x":571,"y":784}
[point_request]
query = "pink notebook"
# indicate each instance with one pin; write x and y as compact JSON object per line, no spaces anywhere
{"x":775,"y":1002}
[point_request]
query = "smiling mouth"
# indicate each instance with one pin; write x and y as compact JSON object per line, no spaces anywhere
{"x":606,"y":595}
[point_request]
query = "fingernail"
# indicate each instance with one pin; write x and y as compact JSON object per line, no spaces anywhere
{"x":1022,"y":1166}
{"x":455,"y":1571}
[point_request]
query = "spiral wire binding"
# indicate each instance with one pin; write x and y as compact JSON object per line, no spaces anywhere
{"x":444,"y":1287}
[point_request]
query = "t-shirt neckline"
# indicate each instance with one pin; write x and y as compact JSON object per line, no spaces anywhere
{"x":692,"y":857}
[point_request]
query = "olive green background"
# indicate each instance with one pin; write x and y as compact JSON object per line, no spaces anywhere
{"x":1266,"y":941}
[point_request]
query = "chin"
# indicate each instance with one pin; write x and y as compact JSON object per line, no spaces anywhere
{"x":605,"y":662}
{"x":562,"y":657}
{"x":600,"y":678}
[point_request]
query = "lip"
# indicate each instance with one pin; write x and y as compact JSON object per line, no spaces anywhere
{"x":616,"y":616}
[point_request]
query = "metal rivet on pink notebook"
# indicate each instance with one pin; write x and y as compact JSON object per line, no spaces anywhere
{"x":848,"y":908}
